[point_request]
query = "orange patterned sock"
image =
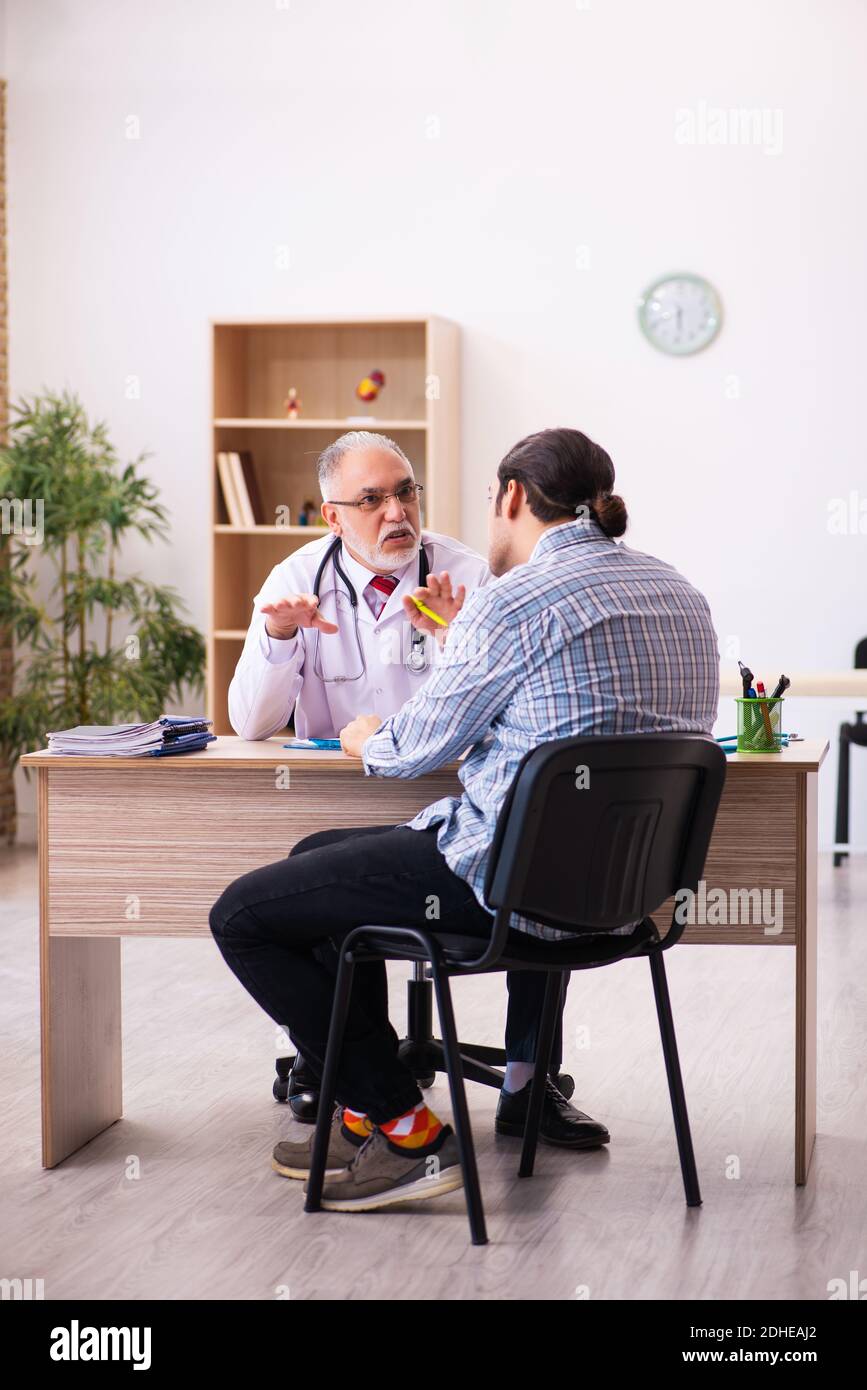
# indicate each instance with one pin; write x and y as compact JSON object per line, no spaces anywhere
{"x":415,"y":1129}
{"x":357,"y":1124}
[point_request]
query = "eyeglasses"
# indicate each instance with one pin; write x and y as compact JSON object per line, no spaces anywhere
{"x":372,"y":501}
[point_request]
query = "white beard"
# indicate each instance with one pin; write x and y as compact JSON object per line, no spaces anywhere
{"x":382,"y":560}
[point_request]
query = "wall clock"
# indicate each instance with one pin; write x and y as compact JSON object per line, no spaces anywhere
{"x":680,"y":314}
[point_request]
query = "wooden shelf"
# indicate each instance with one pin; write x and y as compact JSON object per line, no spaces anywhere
{"x":237,"y":422}
{"x":255,"y":362}
{"x":223,"y":530}
{"x":335,"y":321}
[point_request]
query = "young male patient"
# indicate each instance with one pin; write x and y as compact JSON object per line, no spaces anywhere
{"x":578,"y":635}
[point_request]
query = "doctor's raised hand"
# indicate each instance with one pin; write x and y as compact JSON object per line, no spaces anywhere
{"x":296,"y":610}
{"x":438,"y":596}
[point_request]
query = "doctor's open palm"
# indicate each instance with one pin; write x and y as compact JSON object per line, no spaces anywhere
{"x":283,"y":618}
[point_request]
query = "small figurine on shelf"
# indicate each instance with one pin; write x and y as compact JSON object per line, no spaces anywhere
{"x":292,"y":404}
{"x":370,"y":386}
{"x":306,"y":515}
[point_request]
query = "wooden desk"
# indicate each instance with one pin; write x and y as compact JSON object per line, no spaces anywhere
{"x":145,"y":846}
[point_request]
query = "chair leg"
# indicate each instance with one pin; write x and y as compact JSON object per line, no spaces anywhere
{"x":555,"y":1066}
{"x":547,"y":1026}
{"x":475,"y":1210}
{"x":841,"y":835}
{"x":675,"y":1081}
{"x":336,"y":1029}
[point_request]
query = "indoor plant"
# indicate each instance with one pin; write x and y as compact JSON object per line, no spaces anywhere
{"x":101,"y":647}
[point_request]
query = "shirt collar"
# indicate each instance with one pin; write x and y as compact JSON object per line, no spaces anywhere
{"x":360,"y":576}
{"x":567,"y":533}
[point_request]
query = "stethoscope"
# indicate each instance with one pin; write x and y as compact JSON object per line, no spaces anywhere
{"x":416,"y":657}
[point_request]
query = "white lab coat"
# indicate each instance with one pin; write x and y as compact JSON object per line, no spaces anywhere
{"x":274,"y":675}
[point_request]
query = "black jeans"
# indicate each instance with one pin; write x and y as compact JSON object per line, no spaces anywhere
{"x":278,"y":928}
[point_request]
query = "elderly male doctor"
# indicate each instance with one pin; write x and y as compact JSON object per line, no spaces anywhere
{"x":330,"y":638}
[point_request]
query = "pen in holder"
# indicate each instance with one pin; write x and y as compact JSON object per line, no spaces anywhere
{"x":759,"y":725}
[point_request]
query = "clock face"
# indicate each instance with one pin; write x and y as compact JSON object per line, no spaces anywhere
{"x":680,"y":314}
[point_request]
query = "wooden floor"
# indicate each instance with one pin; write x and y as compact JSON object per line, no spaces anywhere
{"x":178,"y":1200}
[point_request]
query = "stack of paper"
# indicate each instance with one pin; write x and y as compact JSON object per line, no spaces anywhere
{"x":170,"y":734}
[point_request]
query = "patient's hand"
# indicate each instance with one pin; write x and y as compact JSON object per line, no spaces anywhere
{"x":437,"y":595}
{"x":353,"y":734}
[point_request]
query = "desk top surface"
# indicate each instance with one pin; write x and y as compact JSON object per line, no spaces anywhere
{"x":229,"y":751}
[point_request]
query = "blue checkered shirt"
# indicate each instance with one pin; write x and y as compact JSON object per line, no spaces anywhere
{"x":587,"y":637}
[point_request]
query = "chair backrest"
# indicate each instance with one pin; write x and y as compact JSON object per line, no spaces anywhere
{"x":597,"y":832}
{"x":861,"y":655}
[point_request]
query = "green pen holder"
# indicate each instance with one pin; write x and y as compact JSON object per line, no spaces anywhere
{"x":759,"y":725}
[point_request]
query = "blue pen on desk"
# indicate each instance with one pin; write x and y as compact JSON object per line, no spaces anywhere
{"x":785,"y":739}
{"x":332,"y":744}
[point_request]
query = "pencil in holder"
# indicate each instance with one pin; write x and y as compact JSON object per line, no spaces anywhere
{"x":760,"y":725}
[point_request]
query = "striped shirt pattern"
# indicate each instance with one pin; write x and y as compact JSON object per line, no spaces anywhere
{"x":587,"y":637}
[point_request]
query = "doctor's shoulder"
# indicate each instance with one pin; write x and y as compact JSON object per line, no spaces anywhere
{"x":296,"y":572}
{"x":463,"y":564}
{"x":302,"y":564}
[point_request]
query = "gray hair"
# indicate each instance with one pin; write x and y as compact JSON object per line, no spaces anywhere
{"x":330,"y":459}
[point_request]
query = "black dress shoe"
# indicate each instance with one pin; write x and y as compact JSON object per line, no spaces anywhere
{"x":303,"y":1092}
{"x":561,"y":1123}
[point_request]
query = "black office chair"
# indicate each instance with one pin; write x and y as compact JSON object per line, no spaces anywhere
{"x":849,"y":734}
{"x":585,"y":861}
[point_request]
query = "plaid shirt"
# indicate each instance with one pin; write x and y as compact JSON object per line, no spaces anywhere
{"x":588,"y":637}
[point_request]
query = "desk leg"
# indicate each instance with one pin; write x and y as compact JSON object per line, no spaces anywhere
{"x":81,"y":1042}
{"x":81,"y":1037}
{"x":805,"y":976}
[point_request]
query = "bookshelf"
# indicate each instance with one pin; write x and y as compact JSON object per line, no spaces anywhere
{"x":254,"y":365}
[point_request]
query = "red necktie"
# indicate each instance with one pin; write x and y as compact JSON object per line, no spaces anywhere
{"x":384,"y":584}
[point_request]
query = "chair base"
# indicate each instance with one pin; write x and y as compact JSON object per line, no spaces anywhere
{"x":283,"y":1067}
{"x":425,"y":1055}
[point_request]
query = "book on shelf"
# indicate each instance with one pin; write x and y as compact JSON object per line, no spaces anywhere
{"x":240,"y":488}
{"x":252,"y":488}
{"x":227,"y":485}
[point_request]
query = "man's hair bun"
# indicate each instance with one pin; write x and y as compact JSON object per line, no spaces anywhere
{"x":610,"y":512}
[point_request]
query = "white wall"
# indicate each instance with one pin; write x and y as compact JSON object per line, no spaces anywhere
{"x":554,"y":129}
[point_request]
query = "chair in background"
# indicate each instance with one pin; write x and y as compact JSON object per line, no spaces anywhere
{"x":849,"y":734}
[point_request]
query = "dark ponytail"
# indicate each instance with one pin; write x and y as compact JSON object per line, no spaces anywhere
{"x":610,"y":512}
{"x":562,"y":472}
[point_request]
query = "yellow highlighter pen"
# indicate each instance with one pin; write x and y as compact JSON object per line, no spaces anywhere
{"x":428,"y":612}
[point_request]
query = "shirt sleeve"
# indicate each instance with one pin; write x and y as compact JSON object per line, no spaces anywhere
{"x":474,"y":678}
{"x":276,"y":650}
{"x":269,"y":673}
